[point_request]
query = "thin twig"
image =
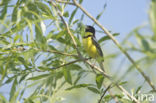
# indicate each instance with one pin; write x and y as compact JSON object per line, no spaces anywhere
{"x":56,"y":52}
{"x":72,"y":62}
{"x":65,"y":2}
{"x":98,"y":69}
{"x":68,"y":30}
{"x":112,"y":95}
{"x":100,"y":100}
{"x":118,"y":44}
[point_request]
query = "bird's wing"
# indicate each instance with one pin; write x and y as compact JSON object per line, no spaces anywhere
{"x":97,"y":46}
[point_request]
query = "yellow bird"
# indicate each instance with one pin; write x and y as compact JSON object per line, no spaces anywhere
{"x":91,"y":45}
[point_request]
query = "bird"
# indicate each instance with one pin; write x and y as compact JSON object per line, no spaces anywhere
{"x":92,"y":46}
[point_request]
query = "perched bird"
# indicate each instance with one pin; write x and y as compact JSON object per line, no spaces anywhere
{"x":91,"y":45}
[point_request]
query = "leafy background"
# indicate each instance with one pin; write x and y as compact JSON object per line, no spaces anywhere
{"x":35,"y":45}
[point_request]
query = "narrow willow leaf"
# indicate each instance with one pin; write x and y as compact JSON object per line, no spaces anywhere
{"x":3,"y":11}
{"x":74,"y":67}
{"x":142,"y":42}
{"x":22,"y":78}
{"x":59,"y":35}
{"x":15,"y":11}
{"x":79,"y":76}
{"x":44,"y":8}
{"x":9,"y":80}
{"x":74,"y":22}
{"x":94,"y":90}
{"x":66,"y":14}
{"x":13,"y":89}
{"x":79,"y":86}
{"x":39,"y":33}
{"x":152,"y":15}
{"x":108,"y":98}
{"x":122,"y":83}
{"x":80,"y":1}
{"x":21,"y":59}
{"x":15,"y":96}
{"x":42,"y":76}
{"x":106,"y":38}
{"x":138,"y":89}
{"x":21,"y":94}
{"x":3,"y":99}
{"x":67,"y":75}
{"x":99,"y":80}
{"x":72,"y":15}
{"x":145,"y":44}
{"x":17,"y":37}
{"x":100,"y":14}
{"x":16,"y":28}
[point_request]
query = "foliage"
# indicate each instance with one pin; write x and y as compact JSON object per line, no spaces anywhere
{"x":35,"y":46}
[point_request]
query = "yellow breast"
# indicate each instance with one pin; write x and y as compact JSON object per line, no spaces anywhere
{"x":90,"y":48}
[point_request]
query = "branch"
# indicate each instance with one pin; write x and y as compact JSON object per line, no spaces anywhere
{"x":54,"y":51}
{"x":65,"y":2}
{"x":112,"y":95}
{"x":68,"y":30}
{"x":118,"y":44}
{"x":72,"y":62}
{"x":98,"y":69}
{"x":104,"y":93}
{"x":57,"y":52}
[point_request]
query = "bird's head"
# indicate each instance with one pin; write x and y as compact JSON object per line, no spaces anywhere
{"x":90,"y":29}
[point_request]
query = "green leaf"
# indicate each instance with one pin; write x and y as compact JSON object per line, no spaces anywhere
{"x":9,"y":80}
{"x":152,"y":15}
{"x":142,"y":42}
{"x":20,"y":26}
{"x":74,"y":67}
{"x":3,"y":99}
{"x":79,"y":76}
{"x":44,"y":8}
{"x":66,"y":14}
{"x":13,"y":89}
{"x":94,"y":90}
{"x":21,"y":59}
{"x":99,"y":80}
{"x":107,"y":38}
{"x":21,"y":94}
{"x":67,"y":75}
{"x":72,"y":15}
{"x":74,"y":22}
{"x":41,"y":40}
{"x":100,"y":14}
{"x":59,"y":35}
{"x":43,"y":76}
{"x":138,"y":89}
{"x":79,"y":86}
{"x":39,"y":34}
{"x":15,"y":11}
{"x":32,"y":12}
{"x":108,"y":98}
{"x":16,"y":38}
{"x":145,"y":44}
{"x":22,"y":78}
{"x":4,"y":3}
{"x":124,"y":82}
{"x":14,"y":97}
{"x":80,"y":1}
